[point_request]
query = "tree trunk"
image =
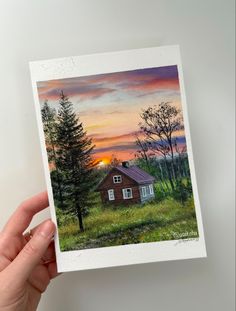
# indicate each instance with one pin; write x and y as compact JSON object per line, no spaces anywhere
{"x":162,"y":178}
{"x":169,"y":175}
{"x":182,"y":165}
{"x":80,"y":218}
{"x":173,"y":169}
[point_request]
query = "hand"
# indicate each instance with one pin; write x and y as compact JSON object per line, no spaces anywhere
{"x":27,"y":261}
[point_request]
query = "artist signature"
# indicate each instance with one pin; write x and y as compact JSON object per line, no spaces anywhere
{"x":185,"y":237}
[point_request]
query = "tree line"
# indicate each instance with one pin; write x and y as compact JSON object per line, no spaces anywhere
{"x":69,"y":151}
{"x":160,"y":152}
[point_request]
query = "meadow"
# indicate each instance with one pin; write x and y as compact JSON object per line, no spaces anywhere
{"x":119,"y":225}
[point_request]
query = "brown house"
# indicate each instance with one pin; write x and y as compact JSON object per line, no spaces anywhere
{"x":126,"y":184}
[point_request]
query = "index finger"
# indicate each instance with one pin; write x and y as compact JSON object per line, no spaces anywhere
{"x":23,"y":215}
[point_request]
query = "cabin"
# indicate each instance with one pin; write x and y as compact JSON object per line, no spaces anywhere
{"x":125,"y":184}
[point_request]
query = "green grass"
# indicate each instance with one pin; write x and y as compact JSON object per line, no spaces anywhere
{"x":121,"y":225}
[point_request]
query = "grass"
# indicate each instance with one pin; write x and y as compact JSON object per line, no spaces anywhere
{"x":110,"y":226}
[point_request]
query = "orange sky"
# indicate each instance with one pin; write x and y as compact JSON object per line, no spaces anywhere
{"x":109,"y":105}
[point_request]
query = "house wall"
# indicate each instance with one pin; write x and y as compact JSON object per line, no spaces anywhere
{"x":148,"y":196}
{"x":126,"y":183}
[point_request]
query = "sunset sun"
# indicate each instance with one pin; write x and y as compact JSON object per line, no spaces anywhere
{"x":103,"y":162}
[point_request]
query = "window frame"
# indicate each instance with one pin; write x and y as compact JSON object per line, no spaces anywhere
{"x":151,"y":189}
{"x":117,"y":177}
{"x":111,"y":197}
{"x":144,"y":191}
{"x":124,"y":192}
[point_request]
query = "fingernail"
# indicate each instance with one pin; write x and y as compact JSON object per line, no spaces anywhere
{"x":47,"y":229}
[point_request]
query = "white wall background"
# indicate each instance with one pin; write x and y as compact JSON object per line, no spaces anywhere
{"x":34,"y":30}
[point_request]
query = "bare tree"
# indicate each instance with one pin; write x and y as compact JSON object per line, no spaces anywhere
{"x":159,"y":123}
{"x":142,"y":152}
{"x":181,"y":152}
{"x":114,"y":161}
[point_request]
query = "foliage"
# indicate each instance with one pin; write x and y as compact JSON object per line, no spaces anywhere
{"x":58,"y":187}
{"x":157,"y":168}
{"x":157,"y":129}
{"x":133,"y":224}
{"x":49,"y":126}
{"x":50,"y":131}
{"x":72,"y":174}
{"x":64,"y":218}
{"x":182,"y":191}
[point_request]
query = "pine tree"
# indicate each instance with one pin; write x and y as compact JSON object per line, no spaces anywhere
{"x":74,"y":158}
{"x":50,"y":132}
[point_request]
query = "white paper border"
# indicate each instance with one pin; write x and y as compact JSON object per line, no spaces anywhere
{"x":86,"y":65}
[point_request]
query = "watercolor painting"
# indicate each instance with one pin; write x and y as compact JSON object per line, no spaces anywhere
{"x":118,"y":159}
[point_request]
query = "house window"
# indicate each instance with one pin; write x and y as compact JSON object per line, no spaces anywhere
{"x":117,"y":179}
{"x":144,"y":192}
{"x":127,"y":193}
{"x":147,"y":190}
{"x":151,"y":189}
{"x":111,"y":195}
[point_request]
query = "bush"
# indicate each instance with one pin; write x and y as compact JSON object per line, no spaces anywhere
{"x":160,"y":195}
{"x":64,"y":218}
{"x":182,"y":191}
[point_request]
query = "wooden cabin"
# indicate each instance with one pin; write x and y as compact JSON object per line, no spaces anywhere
{"x":125,"y":184}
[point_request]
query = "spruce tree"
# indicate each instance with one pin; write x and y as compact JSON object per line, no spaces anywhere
{"x":50,"y":132}
{"x":74,"y":158}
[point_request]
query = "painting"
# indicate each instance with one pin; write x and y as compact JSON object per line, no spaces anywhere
{"x":117,"y":156}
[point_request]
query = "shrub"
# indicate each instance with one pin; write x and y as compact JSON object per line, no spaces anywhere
{"x":63,"y":218}
{"x":182,"y":191}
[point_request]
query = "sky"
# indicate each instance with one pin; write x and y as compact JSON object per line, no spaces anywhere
{"x":109,"y":105}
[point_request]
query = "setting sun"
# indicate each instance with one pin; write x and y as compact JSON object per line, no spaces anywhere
{"x":101,"y":163}
{"x":104,"y":161}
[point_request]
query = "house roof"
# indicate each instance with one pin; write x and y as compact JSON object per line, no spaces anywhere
{"x":136,"y":173}
{"x":133,"y":172}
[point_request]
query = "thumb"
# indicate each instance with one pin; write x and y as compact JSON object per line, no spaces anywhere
{"x":30,"y":255}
